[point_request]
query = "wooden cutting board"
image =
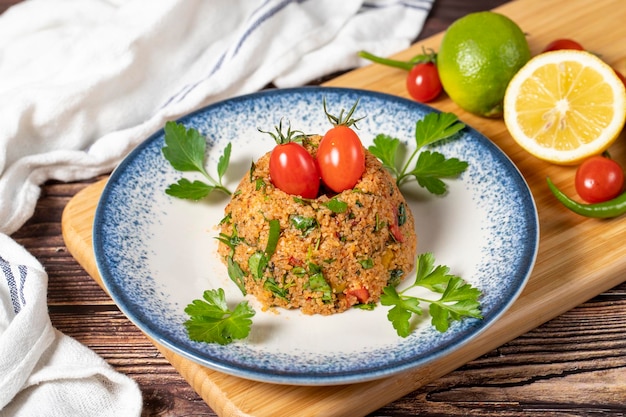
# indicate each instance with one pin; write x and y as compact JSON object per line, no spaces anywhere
{"x":578,"y":258}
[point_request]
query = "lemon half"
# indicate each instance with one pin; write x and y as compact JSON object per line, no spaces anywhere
{"x":565,"y":106}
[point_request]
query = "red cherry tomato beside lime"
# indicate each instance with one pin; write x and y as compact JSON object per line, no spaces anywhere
{"x":340,"y":158}
{"x":293,"y":170}
{"x":557,"y":44}
{"x":599,"y":179}
{"x":423,"y":82}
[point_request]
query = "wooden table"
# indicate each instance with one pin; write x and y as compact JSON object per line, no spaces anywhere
{"x":574,"y":364}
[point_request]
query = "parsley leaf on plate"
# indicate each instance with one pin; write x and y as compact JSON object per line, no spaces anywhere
{"x":185,"y":150}
{"x":435,"y":127}
{"x":385,"y":148}
{"x":430,"y":167}
{"x":211,"y":321}
{"x":458,"y":298}
{"x":188,"y":190}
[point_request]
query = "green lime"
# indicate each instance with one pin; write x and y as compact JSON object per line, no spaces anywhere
{"x":478,"y":56}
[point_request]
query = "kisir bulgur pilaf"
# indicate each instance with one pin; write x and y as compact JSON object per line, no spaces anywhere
{"x":333,"y":252}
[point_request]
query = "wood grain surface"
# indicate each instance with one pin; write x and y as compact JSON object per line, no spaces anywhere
{"x":572,"y":365}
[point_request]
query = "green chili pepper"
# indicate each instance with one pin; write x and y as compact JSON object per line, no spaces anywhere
{"x":606,"y":209}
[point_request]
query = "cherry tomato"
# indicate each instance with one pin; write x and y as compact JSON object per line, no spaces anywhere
{"x":563,"y":44}
{"x":423,"y":82}
{"x":340,"y":158}
{"x":599,"y":179}
{"x":293,"y":170}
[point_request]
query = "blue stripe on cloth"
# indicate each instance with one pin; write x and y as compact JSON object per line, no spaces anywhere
{"x":258,"y":21}
{"x":416,"y":4}
{"x":5,"y":266}
{"x":257,"y":18}
{"x":23,"y":272}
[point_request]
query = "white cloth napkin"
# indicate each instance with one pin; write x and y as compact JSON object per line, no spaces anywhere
{"x":45,"y":373}
{"x":82,"y":82}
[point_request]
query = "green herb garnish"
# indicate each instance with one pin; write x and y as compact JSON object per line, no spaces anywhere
{"x":212,"y":322}
{"x":259,"y":260}
{"x":272,"y":238}
{"x":458,"y":298}
{"x":336,"y":206}
{"x":430,"y":167}
{"x":365,"y":306}
{"x":271,"y":285}
{"x":317,"y":282}
{"x":185,"y":150}
{"x":231,"y":240}
{"x":305,"y":224}
{"x":236,"y":274}
{"x":395,"y":277}
{"x":367,"y":263}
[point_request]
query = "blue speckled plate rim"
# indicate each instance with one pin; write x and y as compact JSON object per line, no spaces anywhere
{"x":323,"y":378}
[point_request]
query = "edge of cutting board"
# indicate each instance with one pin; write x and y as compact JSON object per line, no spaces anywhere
{"x":578,"y":258}
{"x":232,"y":396}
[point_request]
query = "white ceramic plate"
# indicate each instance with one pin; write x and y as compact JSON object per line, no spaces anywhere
{"x":156,"y":254}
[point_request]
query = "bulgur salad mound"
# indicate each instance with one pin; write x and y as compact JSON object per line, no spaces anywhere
{"x":321,"y":255}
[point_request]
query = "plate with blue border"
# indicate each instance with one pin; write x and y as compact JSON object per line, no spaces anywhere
{"x":156,"y":254}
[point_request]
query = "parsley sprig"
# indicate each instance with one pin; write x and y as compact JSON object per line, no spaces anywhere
{"x":185,"y":150}
{"x":458,"y":298}
{"x":211,"y":321}
{"x":430,"y":167}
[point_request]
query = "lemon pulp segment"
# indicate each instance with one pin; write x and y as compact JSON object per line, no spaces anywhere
{"x":563,"y":106}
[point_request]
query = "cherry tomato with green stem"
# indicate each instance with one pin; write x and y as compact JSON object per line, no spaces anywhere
{"x":599,"y":179}
{"x":422,"y":81}
{"x":340,"y":154}
{"x":292,"y":168}
{"x":564,"y":43}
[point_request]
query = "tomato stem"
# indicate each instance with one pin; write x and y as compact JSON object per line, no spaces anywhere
{"x":422,"y":58}
{"x":341,"y":120}
{"x":404,"y":65}
{"x":282,"y":138}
